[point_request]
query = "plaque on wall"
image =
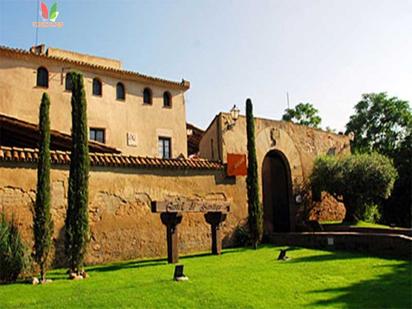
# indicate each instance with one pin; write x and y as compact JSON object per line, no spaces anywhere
{"x":131,"y":139}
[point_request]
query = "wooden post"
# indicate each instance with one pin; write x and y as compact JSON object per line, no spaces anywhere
{"x":172,"y":220}
{"x":215,"y":219}
{"x":171,"y":215}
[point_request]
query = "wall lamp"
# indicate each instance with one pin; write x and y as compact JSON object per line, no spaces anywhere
{"x":234,"y":116}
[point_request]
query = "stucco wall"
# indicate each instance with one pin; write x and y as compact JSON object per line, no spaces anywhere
{"x":20,"y":98}
{"x":121,"y":223}
{"x":209,"y":146}
{"x":299,"y":144}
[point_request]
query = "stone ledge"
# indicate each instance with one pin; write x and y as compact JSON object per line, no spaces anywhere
{"x":367,"y":230}
{"x":381,"y":244}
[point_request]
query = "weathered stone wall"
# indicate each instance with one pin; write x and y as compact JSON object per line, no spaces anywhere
{"x":121,"y":223}
{"x":327,"y":209}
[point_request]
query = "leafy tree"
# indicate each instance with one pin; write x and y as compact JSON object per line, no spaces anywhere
{"x":359,"y":181}
{"x":398,"y":209}
{"x":380,"y":123}
{"x":43,"y":224}
{"x":77,"y":223}
{"x":303,"y":113}
{"x":384,"y":124}
{"x":255,"y":218}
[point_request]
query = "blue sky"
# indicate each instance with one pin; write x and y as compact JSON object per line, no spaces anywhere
{"x":324,"y":52}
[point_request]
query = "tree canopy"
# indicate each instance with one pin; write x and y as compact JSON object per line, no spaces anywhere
{"x":359,"y":181}
{"x":303,"y":113}
{"x":384,"y":124}
{"x":380,"y":123}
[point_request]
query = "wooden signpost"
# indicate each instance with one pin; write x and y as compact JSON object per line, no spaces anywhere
{"x":171,"y":213}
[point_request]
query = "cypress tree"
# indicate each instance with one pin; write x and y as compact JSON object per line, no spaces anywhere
{"x":43,"y":224}
{"x":255,"y":218}
{"x":77,"y":222}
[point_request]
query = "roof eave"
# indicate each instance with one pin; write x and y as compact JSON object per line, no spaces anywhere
{"x":183,"y":85}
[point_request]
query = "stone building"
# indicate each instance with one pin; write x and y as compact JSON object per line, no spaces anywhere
{"x":138,"y":153}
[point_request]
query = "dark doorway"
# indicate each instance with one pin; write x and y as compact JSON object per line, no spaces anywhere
{"x":276,"y":183}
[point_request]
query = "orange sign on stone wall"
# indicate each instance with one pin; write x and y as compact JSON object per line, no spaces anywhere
{"x":236,"y":164}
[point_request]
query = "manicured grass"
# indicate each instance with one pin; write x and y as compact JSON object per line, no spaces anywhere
{"x":240,"y":278}
{"x":375,"y":225}
{"x":358,"y":224}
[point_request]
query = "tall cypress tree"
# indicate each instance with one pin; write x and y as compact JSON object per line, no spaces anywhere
{"x":43,"y":224}
{"x":77,"y":222}
{"x":255,"y":218}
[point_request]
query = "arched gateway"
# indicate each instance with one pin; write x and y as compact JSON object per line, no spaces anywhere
{"x":277,"y":192}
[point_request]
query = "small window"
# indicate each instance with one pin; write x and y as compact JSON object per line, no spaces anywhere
{"x":147,"y":96}
{"x":165,"y":147}
{"x":120,"y":93}
{"x":42,"y":77}
{"x":167,"y":99}
{"x":69,"y":82}
{"x":97,"y":87}
{"x":97,"y":135}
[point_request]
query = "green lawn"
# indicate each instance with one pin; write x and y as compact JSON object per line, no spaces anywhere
{"x":240,"y":278}
{"x":357,"y":224}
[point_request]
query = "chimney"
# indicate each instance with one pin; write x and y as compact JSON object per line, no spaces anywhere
{"x":38,"y":50}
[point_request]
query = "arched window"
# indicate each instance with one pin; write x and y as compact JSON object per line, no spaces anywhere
{"x":42,"y":77}
{"x":97,"y":87}
{"x":69,"y":82}
{"x":167,"y":99}
{"x":147,"y":96}
{"x":120,"y":93}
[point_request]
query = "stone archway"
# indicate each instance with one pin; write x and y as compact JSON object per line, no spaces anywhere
{"x":277,"y":193}
{"x":276,"y":139}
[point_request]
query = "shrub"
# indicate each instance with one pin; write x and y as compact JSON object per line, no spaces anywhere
{"x":371,"y":213}
{"x":356,"y":180}
{"x":13,"y":253}
{"x":242,"y":236}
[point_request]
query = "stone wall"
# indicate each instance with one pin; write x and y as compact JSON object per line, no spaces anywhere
{"x":121,"y":223}
{"x":380,"y":244}
{"x":327,"y":209}
{"x":299,"y":144}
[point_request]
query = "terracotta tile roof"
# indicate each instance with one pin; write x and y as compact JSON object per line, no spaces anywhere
{"x":17,"y":154}
{"x":135,"y":75}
